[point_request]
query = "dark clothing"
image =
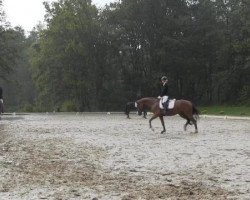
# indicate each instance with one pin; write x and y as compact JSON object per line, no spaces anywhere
{"x":1,"y":93}
{"x":164,"y":90}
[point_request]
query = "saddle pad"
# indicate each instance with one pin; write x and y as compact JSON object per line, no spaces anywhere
{"x":170,"y":103}
{"x":160,"y":104}
{"x":162,"y":100}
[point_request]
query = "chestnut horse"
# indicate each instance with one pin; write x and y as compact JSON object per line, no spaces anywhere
{"x":184,"y":108}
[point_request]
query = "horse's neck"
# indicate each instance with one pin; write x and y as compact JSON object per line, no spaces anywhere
{"x":148,"y":103}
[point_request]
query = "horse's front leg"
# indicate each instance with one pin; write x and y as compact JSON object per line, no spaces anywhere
{"x":151,"y":119}
{"x":163,"y":124}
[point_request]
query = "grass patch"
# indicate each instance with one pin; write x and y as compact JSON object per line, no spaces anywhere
{"x":225,"y":110}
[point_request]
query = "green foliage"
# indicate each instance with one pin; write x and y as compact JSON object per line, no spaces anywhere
{"x":226,"y":110}
{"x":245,"y":96}
{"x":27,"y":108}
{"x":102,"y":60}
{"x":15,"y":78}
{"x":68,"y":106}
{"x":18,"y":88}
{"x":87,"y":59}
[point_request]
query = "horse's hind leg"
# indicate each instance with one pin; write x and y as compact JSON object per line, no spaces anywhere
{"x":185,"y":125}
{"x":163,"y":124}
{"x":195,"y":124}
{"x":188,"y":121}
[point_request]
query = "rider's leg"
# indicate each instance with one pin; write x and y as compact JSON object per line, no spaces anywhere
{"x":165,"y":105}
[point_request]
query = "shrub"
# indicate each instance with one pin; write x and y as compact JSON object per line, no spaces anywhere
{"x":27,"y":108}
{"x":245,"y":96}
{"x":204,"y":112}
{"x":68,"y":106}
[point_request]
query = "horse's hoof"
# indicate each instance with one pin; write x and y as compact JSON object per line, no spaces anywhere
{"x":163,"y":132}
{"x":196,"y":131}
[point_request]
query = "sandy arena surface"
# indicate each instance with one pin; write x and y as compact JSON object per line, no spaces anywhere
{"x":108,"y":157}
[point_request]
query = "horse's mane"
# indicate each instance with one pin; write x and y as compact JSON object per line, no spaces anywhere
{"x":148,"y":98}
{"x":151,"y":98}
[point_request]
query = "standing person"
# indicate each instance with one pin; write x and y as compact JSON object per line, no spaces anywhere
{"x":1,"y":100}
{"x":164,"y":93}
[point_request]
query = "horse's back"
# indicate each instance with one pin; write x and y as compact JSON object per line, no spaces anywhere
{"x":183,"y":101}
{"x":183,"y":105}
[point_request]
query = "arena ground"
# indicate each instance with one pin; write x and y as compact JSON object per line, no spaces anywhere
{"x":109,"y":157}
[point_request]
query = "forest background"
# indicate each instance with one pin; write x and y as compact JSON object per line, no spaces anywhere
{"x":89,"y":59}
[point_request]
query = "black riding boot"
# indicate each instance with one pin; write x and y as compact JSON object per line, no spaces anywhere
{"x":165,"y":105}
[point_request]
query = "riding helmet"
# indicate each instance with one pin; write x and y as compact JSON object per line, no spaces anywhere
{"x":164,"y":78}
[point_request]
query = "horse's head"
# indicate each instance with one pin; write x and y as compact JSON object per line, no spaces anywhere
{"x":129,"y":106}
{"x":146,"y":103}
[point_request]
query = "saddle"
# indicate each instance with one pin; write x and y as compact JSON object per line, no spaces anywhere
{"x":164,"y":99}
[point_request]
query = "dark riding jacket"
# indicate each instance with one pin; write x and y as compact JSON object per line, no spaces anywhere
{"x":164,"y":90}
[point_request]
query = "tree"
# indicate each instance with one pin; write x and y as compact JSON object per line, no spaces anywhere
{"x":64,"y":56}
{"x":97,"y":60}
{"x":7,"y":50}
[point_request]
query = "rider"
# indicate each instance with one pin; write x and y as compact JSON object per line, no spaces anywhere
{"x":164,"y":92}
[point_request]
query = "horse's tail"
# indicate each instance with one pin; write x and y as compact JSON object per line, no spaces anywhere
{"x":196,"y":112}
